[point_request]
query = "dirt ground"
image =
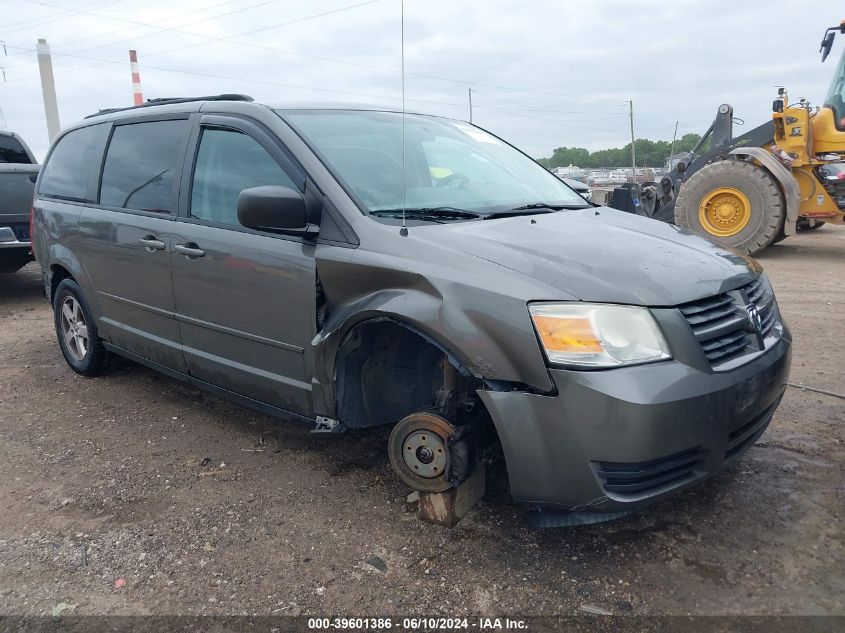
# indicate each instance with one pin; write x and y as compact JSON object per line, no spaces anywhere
{"x":198,"y":506}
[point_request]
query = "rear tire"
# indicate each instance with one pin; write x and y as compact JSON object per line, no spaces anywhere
{"x":76,"y":331}
{"x":765,"y":217}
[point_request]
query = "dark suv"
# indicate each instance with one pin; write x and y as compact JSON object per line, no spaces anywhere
{"x":354,"y":268}
{"x":18,"y":171}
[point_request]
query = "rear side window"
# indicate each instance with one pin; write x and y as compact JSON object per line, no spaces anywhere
{"x":141,"y":165}
{"x":11,"y":151}
{"x":69,"y":167}
{"x":227,"y":163}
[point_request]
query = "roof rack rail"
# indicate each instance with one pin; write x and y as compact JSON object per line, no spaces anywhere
{"x":168,"y":100}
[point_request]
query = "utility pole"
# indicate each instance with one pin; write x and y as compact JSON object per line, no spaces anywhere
{"x":469,"y":92}
{"x":672,"y":151}
{"x":633,"y":143}
{"x":48,"y":89}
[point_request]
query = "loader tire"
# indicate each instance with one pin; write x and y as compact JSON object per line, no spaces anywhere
{"x":732,"y":203}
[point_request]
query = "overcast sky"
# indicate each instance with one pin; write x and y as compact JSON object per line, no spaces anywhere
{"x":544,"y":73}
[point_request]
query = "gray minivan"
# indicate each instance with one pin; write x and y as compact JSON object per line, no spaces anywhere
{"x":353,"y":268}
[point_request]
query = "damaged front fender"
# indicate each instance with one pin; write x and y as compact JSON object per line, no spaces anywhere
{"x":486,"y":333}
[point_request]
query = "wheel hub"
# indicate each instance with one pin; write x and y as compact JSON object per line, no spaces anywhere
{"x":424,"y":452}
{"x":421,"y":451}
{"x":724,"y":212}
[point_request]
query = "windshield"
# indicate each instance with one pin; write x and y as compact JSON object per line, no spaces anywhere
{"x":836,"y":95}
{"x":448,"y":164}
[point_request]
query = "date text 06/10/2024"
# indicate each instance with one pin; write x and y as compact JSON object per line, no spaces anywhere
{"x":416,"y":624}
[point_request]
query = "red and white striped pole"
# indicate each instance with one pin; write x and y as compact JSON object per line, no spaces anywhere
{"x":136,"y":79}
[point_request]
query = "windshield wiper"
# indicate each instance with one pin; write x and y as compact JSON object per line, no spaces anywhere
{"x":532,"y":208}
{"x":553,"y":207}
{"x":417,"y":213}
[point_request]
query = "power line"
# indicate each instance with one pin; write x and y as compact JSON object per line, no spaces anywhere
{"x":33,"y":22}
{"x":322,"y":90}
{"x":521,"y":111}
{"x":263,"y":28}
{"x":511,"y":104}
{"x":230,"y":39}
{"x":158,"y":29}
{"x":219,"y":39}
{"x":328,"y":59}
{"x":152,"y":24}
{"x":563,"y":122}
{"x":106,"y":62}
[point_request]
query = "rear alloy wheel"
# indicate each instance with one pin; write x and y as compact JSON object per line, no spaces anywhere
{"x":733,"y":203}
{"x":74,"y":329}
{"x":419,"y":451}
{"x":77,"y":332}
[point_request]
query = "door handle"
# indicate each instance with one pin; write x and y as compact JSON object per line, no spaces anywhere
{"x":152,"y":243}
{"x":189,"y":250}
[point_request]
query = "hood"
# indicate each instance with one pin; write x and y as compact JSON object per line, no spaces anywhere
{"x":603,"y":255}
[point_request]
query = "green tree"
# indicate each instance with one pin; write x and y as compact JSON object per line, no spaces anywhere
{"x":649,"y":154}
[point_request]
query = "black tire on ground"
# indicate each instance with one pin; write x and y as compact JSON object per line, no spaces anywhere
{"x":90,"y":359}
{"x":761,"y":189}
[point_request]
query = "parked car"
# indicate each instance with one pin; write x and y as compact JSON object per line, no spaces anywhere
{"x":18,"y":170}
{"x":291,"y":260}
{"x":581,"y":188}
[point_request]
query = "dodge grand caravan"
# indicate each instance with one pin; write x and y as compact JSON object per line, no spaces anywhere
{"x":353,"y":268}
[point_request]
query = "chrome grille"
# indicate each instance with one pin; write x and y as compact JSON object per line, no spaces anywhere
{"x":721,"y":323}
{"x":761,"y":295}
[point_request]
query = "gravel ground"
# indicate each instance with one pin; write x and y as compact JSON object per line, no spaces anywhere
{"x":136,"y":494}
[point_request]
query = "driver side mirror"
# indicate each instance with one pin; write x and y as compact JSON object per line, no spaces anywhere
{"x":275,"y":210}
{"x":827,"y":44}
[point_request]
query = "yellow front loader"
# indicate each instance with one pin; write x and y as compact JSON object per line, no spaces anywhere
{"x":756,"y":189}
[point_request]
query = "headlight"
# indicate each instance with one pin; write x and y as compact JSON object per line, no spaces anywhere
{"x":598,"y":335}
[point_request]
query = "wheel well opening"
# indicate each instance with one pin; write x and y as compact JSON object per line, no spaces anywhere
{"x":57,"y":275}
{"x":386,"y":371}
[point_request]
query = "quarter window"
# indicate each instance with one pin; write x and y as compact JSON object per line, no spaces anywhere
{"x":71,"y":162}
{"x":227,"y":163}
{"x":141,"y":166}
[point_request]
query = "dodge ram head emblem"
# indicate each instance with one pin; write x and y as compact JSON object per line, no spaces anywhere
{"x":754,"y":317}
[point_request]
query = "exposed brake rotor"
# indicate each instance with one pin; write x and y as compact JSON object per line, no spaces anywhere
{"x":422,"y":451}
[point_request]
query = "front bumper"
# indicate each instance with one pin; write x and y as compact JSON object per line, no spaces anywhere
{"x":618,"y":440}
